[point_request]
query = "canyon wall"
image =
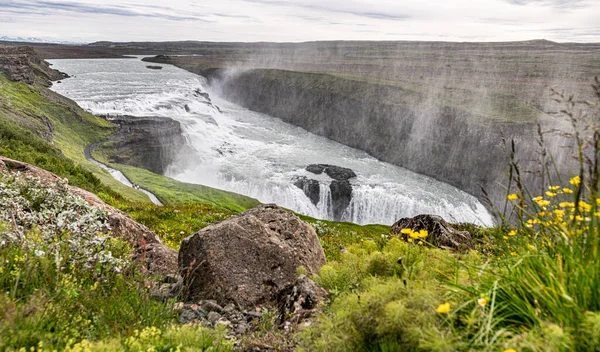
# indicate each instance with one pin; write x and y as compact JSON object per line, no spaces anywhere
{"x":397,"y":126}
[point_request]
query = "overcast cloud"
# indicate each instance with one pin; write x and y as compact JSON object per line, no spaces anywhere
{"x":302,"y":20}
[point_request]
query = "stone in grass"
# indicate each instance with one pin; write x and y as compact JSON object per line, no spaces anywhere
{"x":440,"y":233}
{"x":248,"y":258}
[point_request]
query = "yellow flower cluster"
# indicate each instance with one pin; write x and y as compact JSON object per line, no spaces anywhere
{"x":443,"y":308}
{"x":417,"y":235}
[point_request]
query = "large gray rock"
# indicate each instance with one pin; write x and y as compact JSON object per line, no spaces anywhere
{"x":248,"y":258}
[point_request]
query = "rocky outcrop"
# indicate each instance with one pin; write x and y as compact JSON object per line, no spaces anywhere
{"x":340,"y":187}
{"x":147,"y":142}
{"x":440,"y":233}
{"x":310,"y":187}
{"x":337,"y":173}
{"x":22,"y":64}
{"x":249,"y":258}
{"x":154,"y":256}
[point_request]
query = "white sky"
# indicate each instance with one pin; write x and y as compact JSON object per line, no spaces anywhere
{"x":302,"y":20}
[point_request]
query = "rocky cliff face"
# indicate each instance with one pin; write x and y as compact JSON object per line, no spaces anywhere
{"x":22,"y":64}
{"x":147,"y":142}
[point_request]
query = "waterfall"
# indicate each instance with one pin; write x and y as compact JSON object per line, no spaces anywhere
{"x":260,"y":156}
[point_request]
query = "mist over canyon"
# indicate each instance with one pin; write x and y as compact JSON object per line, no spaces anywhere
{"x":235,"y":149}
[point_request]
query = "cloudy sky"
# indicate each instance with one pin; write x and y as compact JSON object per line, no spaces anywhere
{"x":301,"y":20}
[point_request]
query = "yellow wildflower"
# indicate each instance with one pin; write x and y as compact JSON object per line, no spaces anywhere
{"x":575,"y":181}
{"x":423,"y":234}
{"x":559,"y":213}
{"x":551,"y":194}
{"x":554,"y":188}
{"x":584,"y":206}
{"x":514,"y":254}
{"x":406,"y":231}
{"x":539,"y":200}
{"x":512,"y":196}
{"x":482,"y":302}
{"x":512,"y":233}
{"x":566,"y":204}
{"x":567,"y":190}
{"x":510,"y":350}
{"x":443,"y":308}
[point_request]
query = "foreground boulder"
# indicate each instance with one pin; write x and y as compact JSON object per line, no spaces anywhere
{"x":249,"y":258}
{"x":154,"y":256}
{"x":440,"y":233}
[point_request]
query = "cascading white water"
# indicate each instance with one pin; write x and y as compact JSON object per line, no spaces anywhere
{"x":257,"y":155}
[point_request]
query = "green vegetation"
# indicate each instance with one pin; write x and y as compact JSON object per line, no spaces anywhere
{"x":529,"y":285}
{"x":29,"y":112}
{"x":173,"y":192}
{"x":537,"y":291}
{"x":64,"y":282}
{"x":173,"y":223}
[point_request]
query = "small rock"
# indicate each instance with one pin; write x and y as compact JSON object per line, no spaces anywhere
{"x":229,"y":308}
{"x":223,"y":322}
{"x":161,"y":293}
{"x":187,"y":316}
{"x":298,"y":301}
{"x":252,"y":315}
{"x":213,"y":317}
{"x":212,"y":306}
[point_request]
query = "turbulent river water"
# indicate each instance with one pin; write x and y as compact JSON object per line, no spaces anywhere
{"x":254,"y":154}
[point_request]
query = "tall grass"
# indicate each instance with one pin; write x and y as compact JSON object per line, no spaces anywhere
{"x":545,"y":283}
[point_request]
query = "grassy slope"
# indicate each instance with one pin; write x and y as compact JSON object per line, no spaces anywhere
{"x":24,"y":107}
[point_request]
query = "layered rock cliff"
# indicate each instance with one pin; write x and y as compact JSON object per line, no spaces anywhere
{"x":146,"y":142}
{"x":22,"y":64}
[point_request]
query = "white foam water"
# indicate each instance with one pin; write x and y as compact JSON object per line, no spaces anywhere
{"x":254,"y":154}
